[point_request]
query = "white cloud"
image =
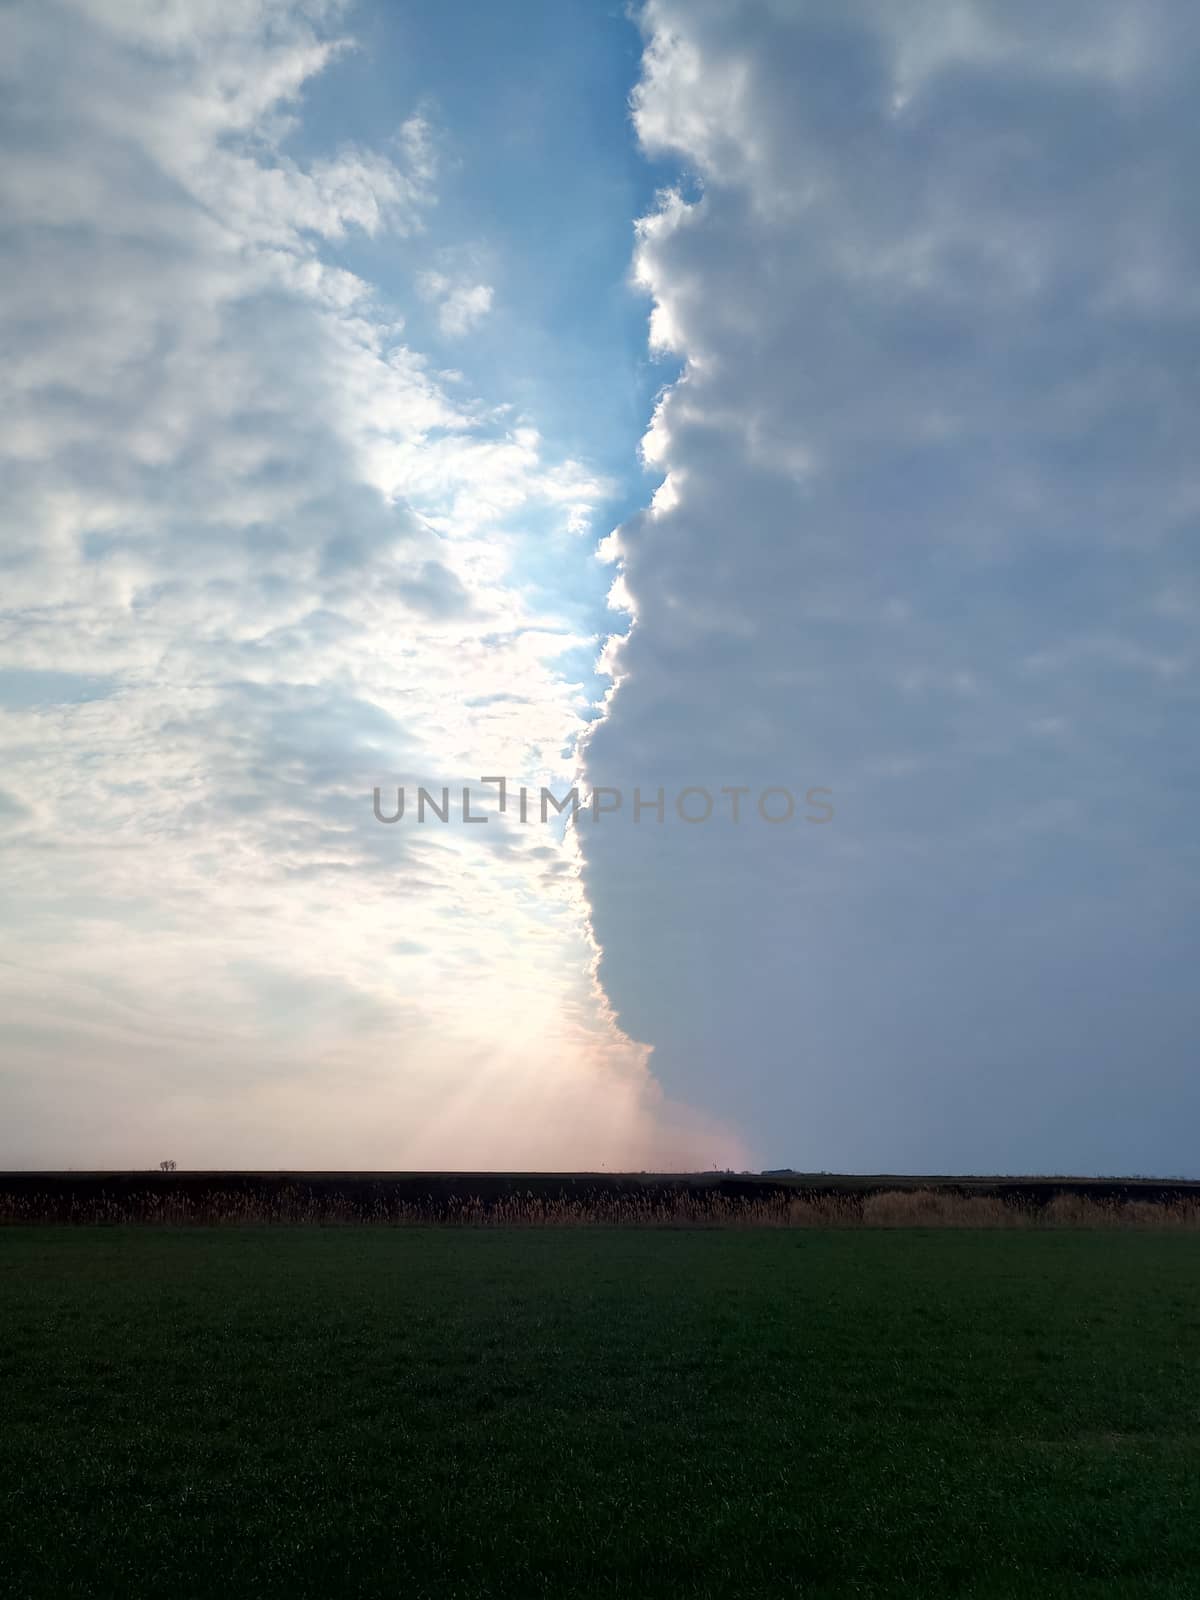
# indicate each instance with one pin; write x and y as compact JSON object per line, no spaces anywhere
{"x":256,"y":561}
{"x":460,"y":306}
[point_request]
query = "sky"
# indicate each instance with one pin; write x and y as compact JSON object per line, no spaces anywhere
{"x":780,"y":404}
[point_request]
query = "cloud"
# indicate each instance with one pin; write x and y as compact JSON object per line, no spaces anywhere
{"x":460,"y":306}
{"x":258,"y":561}
{"x":926,"y":478}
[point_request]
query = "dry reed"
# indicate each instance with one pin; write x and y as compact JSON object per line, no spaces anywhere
{"x":673,"y":1208}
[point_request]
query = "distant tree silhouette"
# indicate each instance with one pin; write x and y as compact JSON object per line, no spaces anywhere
{"x":166,"y":1166}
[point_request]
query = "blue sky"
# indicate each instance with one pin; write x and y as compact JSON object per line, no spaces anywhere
{"x":776,"y":396}
{"x":541,"y":182}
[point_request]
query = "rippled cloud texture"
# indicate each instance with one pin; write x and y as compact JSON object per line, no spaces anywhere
{"x":278,"y":525}
{"x":256,"y":560}
{"x":926,"y":534}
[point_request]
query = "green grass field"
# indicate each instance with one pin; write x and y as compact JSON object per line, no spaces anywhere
{"x":452,"y":1413}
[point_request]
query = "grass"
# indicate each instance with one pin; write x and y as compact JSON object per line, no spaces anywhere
{"x":245,"y":1412}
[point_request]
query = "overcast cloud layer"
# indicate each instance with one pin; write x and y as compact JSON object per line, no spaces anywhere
{"x":927,"y":536}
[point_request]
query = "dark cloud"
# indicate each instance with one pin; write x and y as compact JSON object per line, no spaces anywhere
{"x":928,"y":472}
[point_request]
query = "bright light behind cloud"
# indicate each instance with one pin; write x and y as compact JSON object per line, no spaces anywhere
{"x":256,"y":561}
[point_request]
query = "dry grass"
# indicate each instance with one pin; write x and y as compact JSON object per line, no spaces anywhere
{"x":933,"y":1208}
{"x":916,"y":1208}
